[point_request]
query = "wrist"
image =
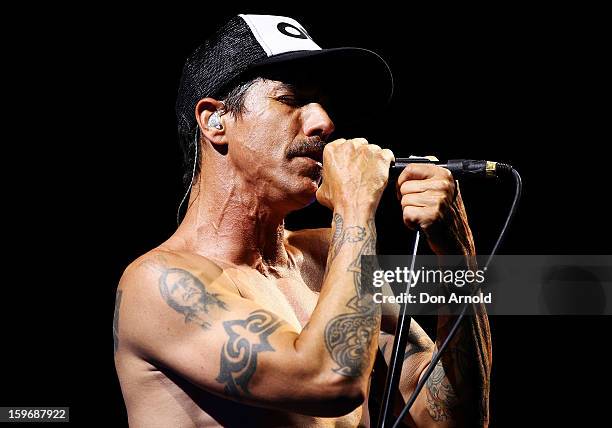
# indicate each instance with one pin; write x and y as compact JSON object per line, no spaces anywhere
{"x":355,"y":211}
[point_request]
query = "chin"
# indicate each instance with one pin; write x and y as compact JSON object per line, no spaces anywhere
{"x":306,"y":194}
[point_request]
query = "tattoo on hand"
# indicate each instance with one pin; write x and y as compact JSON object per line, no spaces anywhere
{"x":116,"y":320}
{"x":187,"y":295}
{"x":348,"y":336}
{"x":246,"y":339}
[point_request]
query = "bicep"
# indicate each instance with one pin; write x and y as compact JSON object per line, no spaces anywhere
{"x":242,"y":353}
{"x":221,"y":342}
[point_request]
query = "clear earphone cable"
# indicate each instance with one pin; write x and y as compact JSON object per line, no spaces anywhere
{"x":195,"y":162}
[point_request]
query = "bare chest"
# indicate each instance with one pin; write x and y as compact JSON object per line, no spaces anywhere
{"x":287,"y":296}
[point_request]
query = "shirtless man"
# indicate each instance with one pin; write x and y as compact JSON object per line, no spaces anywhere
{"x":236,"y":321}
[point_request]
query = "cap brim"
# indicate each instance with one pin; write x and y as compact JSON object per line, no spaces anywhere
{"x":351,"y":74}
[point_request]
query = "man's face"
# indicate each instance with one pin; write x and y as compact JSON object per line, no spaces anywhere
{"x":277,"y":144}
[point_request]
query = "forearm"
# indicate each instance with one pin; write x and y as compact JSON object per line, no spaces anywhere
{"x":458,"y":389}
{"x":457,"y":392}
{"x":342,"y":333}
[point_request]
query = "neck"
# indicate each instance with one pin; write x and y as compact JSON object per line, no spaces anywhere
{"x":229,"y":220}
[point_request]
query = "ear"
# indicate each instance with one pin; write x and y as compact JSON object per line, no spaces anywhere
{"x":204,"y":109}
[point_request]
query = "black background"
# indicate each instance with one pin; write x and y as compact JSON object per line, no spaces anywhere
{"x":97,"y":175}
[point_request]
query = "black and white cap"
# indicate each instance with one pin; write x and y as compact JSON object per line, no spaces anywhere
{"x":251,"y":44}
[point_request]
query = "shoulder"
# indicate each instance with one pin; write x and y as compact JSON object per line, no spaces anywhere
{"x":311,"y":241}
{"x":162,"y":286}
{"x":158,"y":264}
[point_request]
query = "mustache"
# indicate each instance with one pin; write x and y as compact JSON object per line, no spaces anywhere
{"x":306,"y":146}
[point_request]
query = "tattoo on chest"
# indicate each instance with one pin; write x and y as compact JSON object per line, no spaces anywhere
{"x":187,"y":295}
{"x":246,"y":339}
{"x":348,"y":336}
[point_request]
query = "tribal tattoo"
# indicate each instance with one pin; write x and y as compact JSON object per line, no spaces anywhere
{"x":187,"y":295}
{"x":441,"y":397}
{"x":246,"y":339}
{"x":452,"y":371}
{"x":116,"y":320}
{"x":348,"y":336}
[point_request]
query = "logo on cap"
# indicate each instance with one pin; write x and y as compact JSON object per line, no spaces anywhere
{"x":284,"y":27}
{"x":279,"y":34}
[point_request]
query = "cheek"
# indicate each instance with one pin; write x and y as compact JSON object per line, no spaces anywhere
{"x":265,"y":142}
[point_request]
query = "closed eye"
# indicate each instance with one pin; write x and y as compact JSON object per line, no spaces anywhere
{"x":290,"y":100}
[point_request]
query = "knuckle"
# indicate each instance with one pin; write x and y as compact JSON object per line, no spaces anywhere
{"x":444,"y":185}
{"x":437,"y":206}
{"x":410,"y":214}
{"x":388,"y":153}
{"x":333,"y":144}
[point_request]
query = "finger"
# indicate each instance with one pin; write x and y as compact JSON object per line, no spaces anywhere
{"x":358,"y":142}
{"x":417,"y":217}
{"x":423,"y":199}
{"x":336,"y":142}
{"x":412,"y":216}
{"x":422,"y":171}
{"x":417,"y":186}
{"x":388,"y":155}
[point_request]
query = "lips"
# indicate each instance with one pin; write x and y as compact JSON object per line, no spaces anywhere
{"x":314,"y":155}
{"x":311,"y":153}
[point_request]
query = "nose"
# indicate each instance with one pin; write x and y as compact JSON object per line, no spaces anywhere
{"x":316,"y":121}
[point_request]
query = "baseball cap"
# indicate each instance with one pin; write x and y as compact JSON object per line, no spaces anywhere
{"x":279,"y":46}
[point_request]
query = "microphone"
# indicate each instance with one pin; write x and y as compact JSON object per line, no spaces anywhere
{"x":460,"y":168}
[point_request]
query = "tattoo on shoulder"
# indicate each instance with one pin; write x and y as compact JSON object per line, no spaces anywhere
{"x":187,"y":295}
{"x":116,"y":320}
{"x":246,"y":339}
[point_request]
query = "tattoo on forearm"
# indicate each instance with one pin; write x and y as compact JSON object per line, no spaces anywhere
{"x":116,"y":320}
{"x":338,"y":221}
{"x":348,"y":336}
{"x":351,"y":234}
{"x":246,"y":339}
{"x":441,"y":397}
{"x":452,"y":371}
{"x":187,"y":295}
